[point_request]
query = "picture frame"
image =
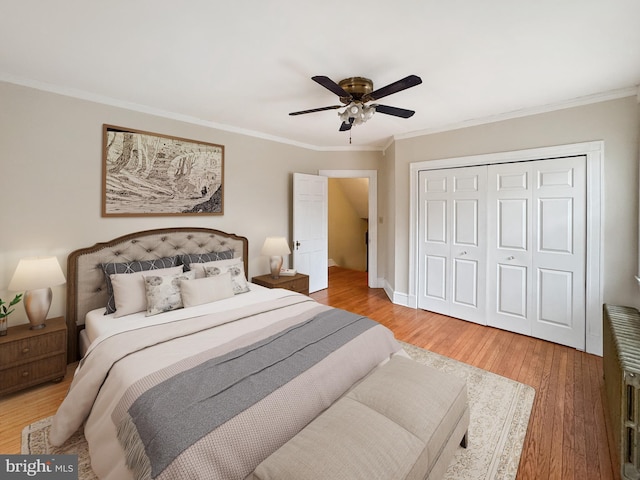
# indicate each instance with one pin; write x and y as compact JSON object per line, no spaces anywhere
{"x":151,"y":174}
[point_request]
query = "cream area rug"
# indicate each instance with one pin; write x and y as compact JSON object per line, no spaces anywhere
{"x":500,"y":410}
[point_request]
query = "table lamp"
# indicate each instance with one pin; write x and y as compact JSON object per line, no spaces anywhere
{"x":275,"y":248}
{"x":35,"y":276}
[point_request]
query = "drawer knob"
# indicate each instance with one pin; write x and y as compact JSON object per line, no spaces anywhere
{"x":25,"y":373}
{"x":25,"y":350}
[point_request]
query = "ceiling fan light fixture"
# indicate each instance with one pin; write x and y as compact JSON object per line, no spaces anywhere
{"x":358,"y":112}
{"x":356,"y":92}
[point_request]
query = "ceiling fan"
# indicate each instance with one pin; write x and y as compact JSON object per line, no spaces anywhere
{"x":356,"y":92}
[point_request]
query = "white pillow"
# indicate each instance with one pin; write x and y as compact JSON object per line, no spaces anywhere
{"x":199,"y":267}
{"x":206,"y":290}
{"x":129,"y":290}
{"x":235,"y":267}
{"x":163,"y":292}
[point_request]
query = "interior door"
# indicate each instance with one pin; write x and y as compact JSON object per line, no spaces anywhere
{"x":310,"y":229}
{"x":537,"y":247}
{"x":452,"y":243}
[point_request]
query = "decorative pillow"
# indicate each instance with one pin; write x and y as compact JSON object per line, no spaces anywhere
{"x":235,"y":267}
{"x":132,"y":267}
{"x":163,"y":292}
{"x":199,"y":267}
{"x":206,"y":290}
{"x":129,"y":295}
{"x":189,"y":258}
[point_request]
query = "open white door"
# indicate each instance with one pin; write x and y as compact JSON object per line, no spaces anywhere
{"x":310,"y":229}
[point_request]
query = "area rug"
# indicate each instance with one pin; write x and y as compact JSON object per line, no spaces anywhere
{"x":499,"y":407}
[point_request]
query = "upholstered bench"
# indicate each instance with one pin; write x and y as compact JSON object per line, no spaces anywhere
{"x":403,"y":421}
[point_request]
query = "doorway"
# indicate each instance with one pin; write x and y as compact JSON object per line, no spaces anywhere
{"x":372,"y":215}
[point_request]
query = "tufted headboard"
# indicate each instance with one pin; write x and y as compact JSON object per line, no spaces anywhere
{"x":86,"y":285}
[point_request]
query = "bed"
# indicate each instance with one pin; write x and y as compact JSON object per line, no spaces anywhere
{"x":213,"y":385}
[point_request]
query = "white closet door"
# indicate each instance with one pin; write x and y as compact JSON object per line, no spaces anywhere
{"x":510,"y":247}
{"x":559,"y":264}
{"x":452,"y":243}
{"x":537,"y":232}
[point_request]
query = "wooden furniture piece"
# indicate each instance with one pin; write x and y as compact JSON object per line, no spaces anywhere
{"x":297,"y":283}
{"x":29,"y":357}
{"x":87,"y":287}
{"x":621,"y":365}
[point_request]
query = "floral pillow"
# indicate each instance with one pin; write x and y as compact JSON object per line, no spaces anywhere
{"x":235,"y":267}
{"x":163,"y":292}
{"x":129,"y":295}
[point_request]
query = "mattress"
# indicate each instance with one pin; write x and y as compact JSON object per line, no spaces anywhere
{"x":98,"y":324}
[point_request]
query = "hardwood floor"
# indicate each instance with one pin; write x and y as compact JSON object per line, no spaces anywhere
{"x":568,"y":433}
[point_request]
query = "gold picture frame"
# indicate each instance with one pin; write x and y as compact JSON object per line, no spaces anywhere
{"x":150,"y":174}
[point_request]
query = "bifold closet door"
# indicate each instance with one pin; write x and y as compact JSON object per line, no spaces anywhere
{"x":536,"y":255}
{"x":452,"y":243}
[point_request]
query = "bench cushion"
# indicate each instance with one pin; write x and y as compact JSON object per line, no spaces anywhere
{"x":392,"y":425}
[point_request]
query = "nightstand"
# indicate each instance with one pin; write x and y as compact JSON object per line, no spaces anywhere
{"x":29,"y":357}
{"x":297,"y":283}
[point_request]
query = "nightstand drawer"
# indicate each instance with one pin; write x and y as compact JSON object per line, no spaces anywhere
{"x":297,"y":283}
{"x":18,"y":377}
{"x":300,"y":285}
{"x":26,"y":349}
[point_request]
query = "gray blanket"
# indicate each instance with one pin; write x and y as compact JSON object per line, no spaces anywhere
{"x":174,"y":414}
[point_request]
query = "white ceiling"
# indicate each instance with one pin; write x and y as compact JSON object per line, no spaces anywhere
{"x":243,"y":65}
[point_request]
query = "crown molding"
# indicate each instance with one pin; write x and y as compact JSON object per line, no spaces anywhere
{"x":526,"y":112}
{"x":91,"y":97}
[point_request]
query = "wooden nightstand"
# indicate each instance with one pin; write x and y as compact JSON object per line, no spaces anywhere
{"x":29,"y":357}
{"x":298,"y":283}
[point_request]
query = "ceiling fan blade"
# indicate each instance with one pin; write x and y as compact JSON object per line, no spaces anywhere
{"x":395,"y":87}
{"x":313,"y":110}
{"x":395,"y":111}
{"x":346,"y":125}
{"x":330,"y":85}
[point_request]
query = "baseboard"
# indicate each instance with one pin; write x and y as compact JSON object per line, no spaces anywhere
{"x":397,"y":298}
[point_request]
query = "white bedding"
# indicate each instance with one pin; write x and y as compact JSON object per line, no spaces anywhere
{"x":97,"y":323}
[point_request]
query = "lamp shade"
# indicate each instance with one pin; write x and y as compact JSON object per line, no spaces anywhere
{"x":33,"y":273}
{"x":275,"y":246}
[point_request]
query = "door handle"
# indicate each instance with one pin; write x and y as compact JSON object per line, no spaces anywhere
{"x":463,"y":253}
{"x":511,"y":258}
{"x":297,"y":245}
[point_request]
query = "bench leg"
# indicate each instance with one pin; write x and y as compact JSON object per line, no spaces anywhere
{"x":463,"y":442}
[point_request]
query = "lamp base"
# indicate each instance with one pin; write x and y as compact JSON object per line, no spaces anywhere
{"x":275,"y":264}
{"x":36,"y":304}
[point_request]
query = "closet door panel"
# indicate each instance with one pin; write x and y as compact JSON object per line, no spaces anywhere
{"x":435,"y":238}
{"x":452,"y":243}
{"x":509,"y":247}
{"x":559,"y":194}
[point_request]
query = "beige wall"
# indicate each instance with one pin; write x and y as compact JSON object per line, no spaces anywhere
{"x":51,"y":180}
{"x":347,"y":228}
{"x":615,"y":122}
{"x":50,"y":194}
